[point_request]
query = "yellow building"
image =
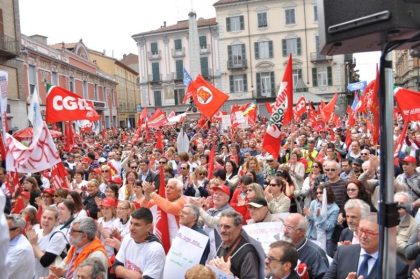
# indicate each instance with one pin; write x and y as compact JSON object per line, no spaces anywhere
{"x":128,"y":95}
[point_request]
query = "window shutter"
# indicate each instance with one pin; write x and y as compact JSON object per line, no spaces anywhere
{"x":258,"y":84}
{"x":178,"y":44}
{"x":241,"y":19}
{"x":153,"y":47}
{"x":299,"y":46}
{"x":329,"y":74}
{"x":155,"y":71}
{"x":284,"y":47}
{"x":228,"y":24}
{"x":245,"y":83}
{"x":257,"y":50}
{"x":204,"y":67}
{"x":243,"y":53}
{"x":270,"y":49}
{"x":230,"y":58}
{"x":260,"y":19}
{"x":273,"y":84}
{"x":232,"y":89}
{"x":179,"y":69}
{"x":203,"y":41}
{"x":314,"y":78}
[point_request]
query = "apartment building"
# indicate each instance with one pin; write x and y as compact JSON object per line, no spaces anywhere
{"x":11,"y":63}
{"x":407,"y":68}
{"x":67,"y":65}
{"x":164,"y":53}
{"x":127,"y":86}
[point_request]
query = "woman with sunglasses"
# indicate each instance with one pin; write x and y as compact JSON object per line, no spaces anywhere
{"x":275,"y":195}
{"x":315,"y":177}
{"x":319,"y":222}
{"x":200,"y":181}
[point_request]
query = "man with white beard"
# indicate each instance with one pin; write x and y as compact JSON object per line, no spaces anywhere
{"x":295,"y":227}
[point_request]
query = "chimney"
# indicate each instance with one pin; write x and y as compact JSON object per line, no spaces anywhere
{"x":39,"y":38}
{"x":164,"y":23}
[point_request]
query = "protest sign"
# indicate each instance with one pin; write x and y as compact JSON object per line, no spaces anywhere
{"x":265,"y":232}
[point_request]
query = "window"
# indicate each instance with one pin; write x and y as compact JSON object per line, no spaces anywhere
{"x":263,"y":50}
{"x":322,"y":76}
{"x":105,"y":97}
{"x":203,"y":42}
{"x":54,"y":78}
{"x":32,"y":79}
{"x":290,"y":16}
{"x":238,"y":83}
{"x":85,"y":89}
{"x":315,"y":13}
{"x":317,"y":44}
{"x":235,"y":23}
{"x":155,"y":71}
{"x":236,"y":54}
{"x":95,"y":92}
{"x":179,"y":96}
{"x":262,"y":19}
{"x":179,"y":65}
{"x":178,"y":44}
{"x":158,"y":98}
{"x":71,"y":84}
{"x":292,"y":46}
{"x":154,"y":48}
{"x":204,"y":61}
{"x":297,"y":75}
{"x":265,"y":84}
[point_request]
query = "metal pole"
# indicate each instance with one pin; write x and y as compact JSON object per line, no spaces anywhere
{"x":387,"y":223}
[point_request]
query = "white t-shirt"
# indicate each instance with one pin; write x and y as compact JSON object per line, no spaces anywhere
{"x":20,"y":260}
{"x":124,"y":228}
{"x":147,"y":257}
{"x":55,"y":245}
{"x":108,"y":226}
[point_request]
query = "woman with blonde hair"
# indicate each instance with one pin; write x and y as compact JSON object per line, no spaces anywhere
{"x":200,"y":181}
{"x":252,"y":165}
{"x":199,"y":272}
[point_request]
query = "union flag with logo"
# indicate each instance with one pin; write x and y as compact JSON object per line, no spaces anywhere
{"x":207,"y":98}
{"x":282,"y":112}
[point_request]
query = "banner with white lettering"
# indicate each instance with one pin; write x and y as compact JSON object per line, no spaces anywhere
{"x":63,"y":105}
{"x":265,"y":232}
{"x":186,"y":251}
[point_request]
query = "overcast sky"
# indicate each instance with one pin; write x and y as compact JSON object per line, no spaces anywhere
{"x":108,"y":24}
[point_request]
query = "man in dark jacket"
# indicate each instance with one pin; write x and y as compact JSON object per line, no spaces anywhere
{"x":281,"y":261}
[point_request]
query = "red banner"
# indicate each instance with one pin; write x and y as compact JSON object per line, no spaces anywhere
{"x":408,"y":102}
{"x":63,"y":105}
{"x":300,"y":108}
{"x":157,"y":120}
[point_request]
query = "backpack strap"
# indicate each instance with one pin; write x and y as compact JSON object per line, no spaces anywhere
{"x":63,"y":253}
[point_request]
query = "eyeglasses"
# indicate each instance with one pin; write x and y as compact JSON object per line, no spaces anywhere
{"x":351,"y":190}
{"x":162,"y":163}
{"x":289,"y":228}
{"x":329,"y":169}
{"x":270,"y":161}
{"x":367,"y":232}
{"x":12,"y":229}
{"x":56,"y":196}
{"x":319,"y":193}
{"x":133,"y":167}
{"x":104,"y":171}
{"x":274,"y":185}
{"x":122,"y":208}
{"x":272,"y":259}
{"x":364,"y":154}
{"x":315,"y":166}
{"x":202,"y":173}
{"x":184,"y":168}
{"x":75,"y":231}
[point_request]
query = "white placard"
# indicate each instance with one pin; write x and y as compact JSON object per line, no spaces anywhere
{"x":226,"y":121}
{"x":186,"y":251}
{"x":265,"y":232}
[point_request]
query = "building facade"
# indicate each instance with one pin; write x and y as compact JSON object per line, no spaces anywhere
{"x":127,"y":86}
{"x":164,"y":53}
{"x":407,"y":68}
{"x":67,"y":66}
{"x":11,"y":63}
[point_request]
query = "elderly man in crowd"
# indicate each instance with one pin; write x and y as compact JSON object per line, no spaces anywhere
{"x":295,"y":227}
{"x":361,"y":259}
{"x":332,"y":169}
{"x":356,"y":209}
{"x":141,"y":254}
{"x":407,"y":225}
{"x":236,"y":248}
{"x":281,"y":260}
{"x":85,"y":245}
{"x":91,"y":269}
{"x":411,"y":179}
{"x":259,"y":212}
{"x":20,"y":259}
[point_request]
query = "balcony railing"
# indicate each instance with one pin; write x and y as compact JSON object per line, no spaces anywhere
{"x":9,"y":47}
{"x":204,"y":49}
{"x":316,"y":57}
{"x":176,"y":53}
{"x":154,"y":55}
{"x":237,"y":64}
{"x":263,"y":95}
{"x":155,"y":78}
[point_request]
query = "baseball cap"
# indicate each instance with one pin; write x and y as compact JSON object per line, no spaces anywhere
{"x":257,"y":202}
{"x":102,"y":160}
{"x":49,"y":191}
{"x":26,"y":195}
{"x":357,"y":161}
{"x":269,"y":158}
{"x":225,"y":189}
{"x":410,"y":159}
{"x":108,"y":202}
{"x":116,"y":180}
{"x":85,"y":160}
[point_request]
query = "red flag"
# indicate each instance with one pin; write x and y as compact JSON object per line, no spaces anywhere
{"x":2,"y":148}
{"x":142,"y":118}
{"x":300,"y":107}
{"x":162,"y":225}
{"x":207,"y":98}
{"x":408,"y":101}
{"x":211,"y":162}
{"x":58,"y":176}
{"x":158,"y":119}
{"x":68,"y":136}
{"x":159,"y":141}
{"x":329,"y":109}
{"x":282,"y":112}
{"x":400,"y":140}
{"x":147,"y":136}
{"x":63,"y":105}
{"x":249,"y":110}
{"x":373,"y":106}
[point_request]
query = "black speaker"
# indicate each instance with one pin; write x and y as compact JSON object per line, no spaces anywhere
{"x":348,"y":26}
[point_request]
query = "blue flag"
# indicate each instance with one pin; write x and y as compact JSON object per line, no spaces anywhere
{"x":355,"y":103}
{"x":187,"y":78}
{"x":361,"y":85}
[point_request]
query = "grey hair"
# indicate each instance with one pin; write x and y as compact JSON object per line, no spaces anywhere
{"x":405,"y":195}
{"x":88,"y":226}
{"x":303,"y":224}
{"x":358,"y":203}
{"x":237,"y":217}
{"x":17,"y":221}
{"x":98,"y":269}
{"x":177,"y":182}
{"x":195,"y":210}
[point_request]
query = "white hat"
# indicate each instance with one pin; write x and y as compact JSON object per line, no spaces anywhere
{"x":102,"y":160}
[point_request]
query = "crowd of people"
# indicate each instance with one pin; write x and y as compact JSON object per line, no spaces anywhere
{"x":324,"y":193}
